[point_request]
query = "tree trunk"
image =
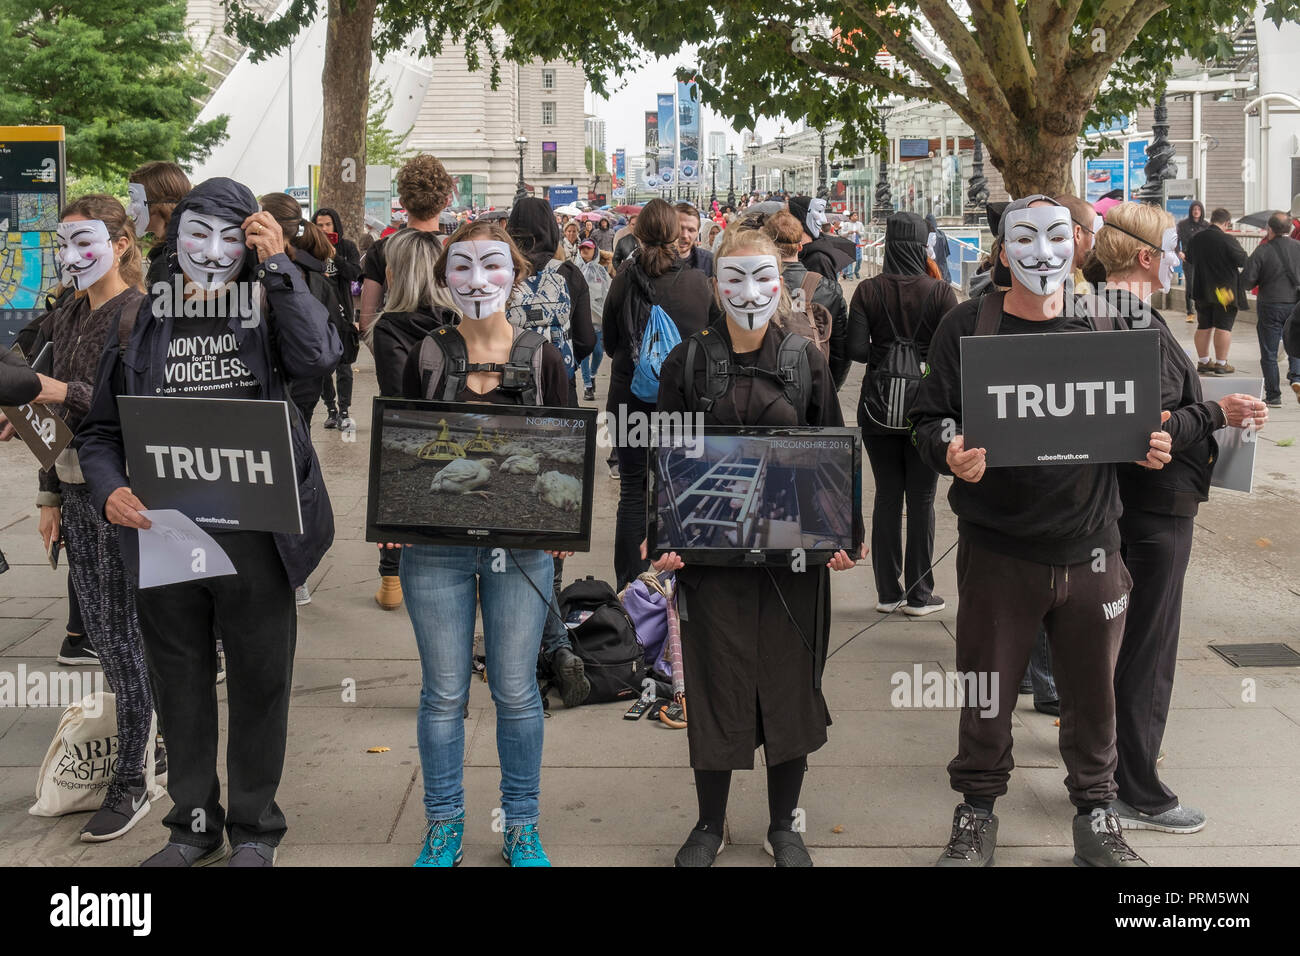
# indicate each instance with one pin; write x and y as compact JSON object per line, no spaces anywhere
{"x":345,"y":83}
{"x":1032,"y":160}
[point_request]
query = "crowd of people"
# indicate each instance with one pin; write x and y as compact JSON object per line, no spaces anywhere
{"x":754,"y":285}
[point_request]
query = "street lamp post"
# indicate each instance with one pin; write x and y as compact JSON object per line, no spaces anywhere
{"x":713,"y":165}
{"x":731,"y":178}
{"x":884,"y":201}
{"x":977,"y":192}
{"x":521,"y":143}
{"x":781,"y":140}
{"x":823,"y":190}
{"x":753,"y":166}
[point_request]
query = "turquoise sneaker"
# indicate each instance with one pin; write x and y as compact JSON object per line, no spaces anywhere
{"x":442,"y":843}
{"x":523,"y":847}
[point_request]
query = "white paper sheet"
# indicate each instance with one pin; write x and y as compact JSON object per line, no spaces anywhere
{"x":175,"y":549}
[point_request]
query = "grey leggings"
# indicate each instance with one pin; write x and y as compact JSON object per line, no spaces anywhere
{"x":107,"y":597}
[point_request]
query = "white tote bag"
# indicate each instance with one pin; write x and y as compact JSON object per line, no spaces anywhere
{"x":79,"y":765}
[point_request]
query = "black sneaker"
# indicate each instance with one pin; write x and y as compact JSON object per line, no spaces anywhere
{"x":77,"y":649}
{"x":590,"y":393}
{"x":786,"y":849}
{"x":700,"y":849}
{"x":932,"y":603}
{"x":332,"y":419}
{"x":182,"y":854}
{"x":160,"y":764}
{"x":1050,"y":707}
{"x":122,"y":809}
{"x":1099,"y":841}
{"x":974,"y":838}
{"x":575,"y":688}
{"x":252,"y":854}
{"x":613,"y":471}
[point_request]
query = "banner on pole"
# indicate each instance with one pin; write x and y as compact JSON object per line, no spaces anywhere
{"x":667,"y":141}
{"x":652,"y":149}
{"x":688,"y":131}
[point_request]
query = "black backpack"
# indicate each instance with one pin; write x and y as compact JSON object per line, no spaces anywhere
{"x":443,"y":358}
{"x":605,"y":640}
{"x":891,"y":386}
{"x":793,"y":373}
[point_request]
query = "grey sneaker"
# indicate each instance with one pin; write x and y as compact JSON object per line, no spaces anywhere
{"x":575,"y":688}
{"x":252,"y":854}
{"x":974,"y":838}
{"x":1177,"y":819}
{"x":1099,"y":841}
{"x":182,"y":854}
{"x":122,"y":809}
{"x":786,"y":849}
{"x":700,"y":849}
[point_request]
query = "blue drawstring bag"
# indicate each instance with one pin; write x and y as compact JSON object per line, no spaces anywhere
{"x":659,"y":338}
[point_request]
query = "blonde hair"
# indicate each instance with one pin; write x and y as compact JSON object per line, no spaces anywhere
{"x":1116,"y":249}
{"x":741,"y":241}
{"x":130,"y":267}
{"x":411,"y":255}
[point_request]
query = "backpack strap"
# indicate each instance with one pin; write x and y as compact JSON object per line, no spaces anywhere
{"x":717,"y":370}
{"x":796,"y":372}
{"x":442,"y":358}
{"x":522,"y":375}
{"x":810,"y":282}
{"x":990,"y":313}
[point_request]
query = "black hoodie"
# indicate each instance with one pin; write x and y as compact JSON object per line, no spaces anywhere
{"x":347,"y":259}
{"x":533,"y":227}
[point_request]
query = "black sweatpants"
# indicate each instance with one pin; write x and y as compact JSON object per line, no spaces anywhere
{"x":1156,"y":550}
{"x":344,"y":392}
{"x":1002,"y":603}
{"x":258,"y":621}
{"x":630,"y":524}
{"x":901,"y":477}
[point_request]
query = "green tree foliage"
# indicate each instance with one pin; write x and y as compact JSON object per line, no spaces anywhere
{"x":383,"y":146}
{"x":120,"y":75}
{"x":597,"y":163}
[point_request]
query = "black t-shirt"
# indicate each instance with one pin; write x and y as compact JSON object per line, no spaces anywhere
{"x":375,"y":264}
{"x":203,"y":361}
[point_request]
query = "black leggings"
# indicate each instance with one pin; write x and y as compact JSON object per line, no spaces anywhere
{"x":901,"y":476}
{"x":784,"y":783}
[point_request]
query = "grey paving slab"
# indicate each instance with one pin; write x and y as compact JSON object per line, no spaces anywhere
{"x":25,"y":606}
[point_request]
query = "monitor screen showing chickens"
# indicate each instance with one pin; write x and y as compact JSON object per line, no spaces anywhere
{"x":480,"y":475}
{"x":745,"y":492}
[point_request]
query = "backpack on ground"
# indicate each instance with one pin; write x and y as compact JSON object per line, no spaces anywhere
{"x":604,"y":636}
{"x":891,"y":385}
{"x":542,"y":304}
{"x":659,"y":338}
{"x":793,"y":374}
{"x":813,"y":321}
{"x":445,"y":367}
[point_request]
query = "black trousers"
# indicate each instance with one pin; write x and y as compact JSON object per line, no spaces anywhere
{"x":1156,"y":550}
{"x":901,"y":477}
{"x":630,"y":526}
{"x":1189,"y":273}
{"x":1003,"y":602}
{"x":344,"y":392}
{"x":259,"y":626}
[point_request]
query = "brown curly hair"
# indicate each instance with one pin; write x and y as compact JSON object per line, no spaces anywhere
{"x":424,"y":186}
{"x":786,"y":231}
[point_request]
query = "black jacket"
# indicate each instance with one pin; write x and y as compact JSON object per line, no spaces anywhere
{"x":624,"y":248}
{"x":295,"y":339}
{"x":306,"y":392}
{"x":18,"y":383}
{"x":1268,"y":268}
{"x":830,"y":296}
{"x":1179,"y":487}
{"x":1049,"y":514}
{"x":397,"y":335}
{"x":1216,"y":258}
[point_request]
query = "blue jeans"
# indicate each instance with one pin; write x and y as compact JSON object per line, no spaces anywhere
{"x":1268,"y":327}
{"x":857,"y":264}
{"x":591,"y":363}
{"x":441,"y":586}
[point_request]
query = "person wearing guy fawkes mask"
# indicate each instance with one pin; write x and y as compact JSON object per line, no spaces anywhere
{"x":822,"y":253}
{"x":753,"y":640}
{"x":1027,"y":538}
{"x":216,"y":241}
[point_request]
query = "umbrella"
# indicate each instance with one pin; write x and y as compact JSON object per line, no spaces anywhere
{"x":446,"y":218}
{"x":841,"y":251}
{"x":492,"y":214}
{"x":568,"y":211}
{"x":629,"y":210}
{"x":1257,"y":219}
{"x":595,"y":216}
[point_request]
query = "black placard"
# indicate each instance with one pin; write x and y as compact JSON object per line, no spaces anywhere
{"x":227,"y":464}
{"x":1061,"y":398}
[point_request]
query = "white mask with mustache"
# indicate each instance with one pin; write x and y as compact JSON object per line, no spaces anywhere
{"x":480,"y":275}
{"x":85,"y":252}
{"x":1039,"y":241}
{"x":750,"y":287}
{"x":138,"y":208}
{"x":210,"y":249}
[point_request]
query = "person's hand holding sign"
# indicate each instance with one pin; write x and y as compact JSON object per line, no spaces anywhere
{"x":1241,"y":410}
{"x":124,"y":508}
{"x":665,"y":562}
{"x":1159,"y":454}
{"x":263,"y":235}
{"x":966,"y":464}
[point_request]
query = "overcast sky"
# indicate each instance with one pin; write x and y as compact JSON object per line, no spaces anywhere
{"x":624,"y":112}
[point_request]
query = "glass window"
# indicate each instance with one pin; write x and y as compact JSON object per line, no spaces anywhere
{"x":548,"y":79}
{"x":548,"y":112}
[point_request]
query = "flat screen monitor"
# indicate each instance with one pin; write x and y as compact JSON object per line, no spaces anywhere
{"x":478,"y":475}
{"x":752,"y":496}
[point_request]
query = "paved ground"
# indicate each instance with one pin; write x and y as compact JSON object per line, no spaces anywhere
{"x":616,"y":792}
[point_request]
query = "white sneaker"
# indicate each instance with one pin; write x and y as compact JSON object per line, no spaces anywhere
{"x":346,"y":423}
{"x":302,"y":596}
{"x":885,"y":607}
{"x":935,"y":603}
{"x":1177,"y":819}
